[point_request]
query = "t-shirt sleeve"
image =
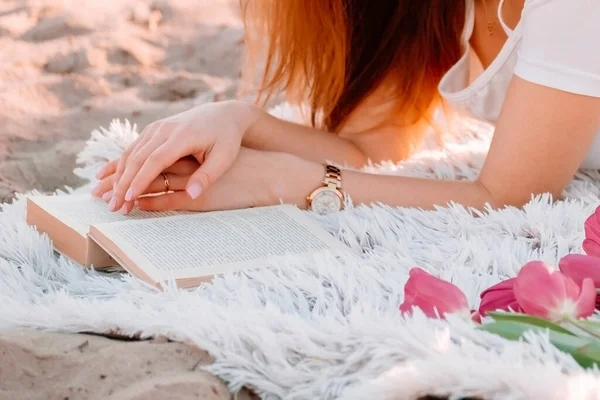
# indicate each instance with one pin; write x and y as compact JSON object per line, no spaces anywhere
{"x":560,"y":45}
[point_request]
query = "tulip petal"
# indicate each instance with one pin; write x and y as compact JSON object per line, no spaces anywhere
{"x":591,"y":244}
{"x":591,"y":248}
{"x":436,"y":288}
{"x":499,"y":300}
{"x":586,"y":302}
{"x":407,"y":304}
{"x":507,"y":284}
{"x":579,"y":266}
{"x":500,"y":296}
{"x":537,"y":290}
{"x":476,"y":317}
{"x":592,"y":225}
{"x":434,"y":296}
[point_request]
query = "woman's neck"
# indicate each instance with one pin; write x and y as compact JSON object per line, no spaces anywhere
{"x":488,"y":35}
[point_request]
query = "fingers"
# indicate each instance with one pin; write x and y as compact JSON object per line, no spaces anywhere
{"x":142,"y":171}
{"x":175,"y":201}
{"x":108,"y":169}
{"x":127,"y":207}
{"x":176,"y":183}
{"x":184,"y":166}
{"x":155,"y":156}
{"x":107,"y":196}
{"x":124,"y":157}
{"x":103,"y":187}
{"x":147,"y":134}
{"x":215,"y":164}
{"x":178,"y":175}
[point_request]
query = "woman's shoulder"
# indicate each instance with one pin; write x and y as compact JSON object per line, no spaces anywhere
{"x":559,"y":41}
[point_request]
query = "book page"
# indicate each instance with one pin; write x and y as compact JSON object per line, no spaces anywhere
{"x":81,"y":211}
{"x":205,"y":244}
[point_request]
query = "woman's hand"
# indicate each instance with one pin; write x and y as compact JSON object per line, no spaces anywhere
{"x":177,"y":174}
{"x":256,"y":178}
{"x":211,"y":134}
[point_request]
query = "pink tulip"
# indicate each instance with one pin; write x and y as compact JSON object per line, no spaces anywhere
{"x":550,"y":294}
{"x":476,"y":317}
{"x":579,"y":266}
{"x":501,"y":296}
{"x":434,"y":296}
{"x":591,"y":244}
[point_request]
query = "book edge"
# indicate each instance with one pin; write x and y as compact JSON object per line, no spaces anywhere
{"x":124,"y":260}
{"x":47,"y":223}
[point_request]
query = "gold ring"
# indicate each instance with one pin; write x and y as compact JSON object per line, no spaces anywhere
{"x":166,"y":180}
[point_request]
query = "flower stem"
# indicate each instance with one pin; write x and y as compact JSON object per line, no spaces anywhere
{"x":574,"y":323}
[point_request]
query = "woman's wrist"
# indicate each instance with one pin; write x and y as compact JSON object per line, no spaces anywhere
{"x":295,"y":179}
{"x":244,"y":114}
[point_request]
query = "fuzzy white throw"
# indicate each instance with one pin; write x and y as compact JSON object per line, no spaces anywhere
{"x":323,"y":328}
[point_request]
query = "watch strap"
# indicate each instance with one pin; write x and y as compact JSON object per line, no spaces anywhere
{"x":333,"y":177}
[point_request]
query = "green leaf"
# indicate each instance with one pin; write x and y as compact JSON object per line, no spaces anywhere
{"x":592,"y":325}
{"x":584,"y":328}
{"x":511,"y":330}
{"x":530,"y":320}
{"x":586,"y":351}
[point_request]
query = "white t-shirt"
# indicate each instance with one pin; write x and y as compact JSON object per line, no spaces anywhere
{"x":555,"y":44}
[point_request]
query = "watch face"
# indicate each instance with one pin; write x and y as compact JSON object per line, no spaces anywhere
{"x":326,"y":201}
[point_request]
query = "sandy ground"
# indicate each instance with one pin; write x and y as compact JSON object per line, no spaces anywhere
{"x":69,"y":66}
{"x":66,"y":68}
{"x":48,"y":366}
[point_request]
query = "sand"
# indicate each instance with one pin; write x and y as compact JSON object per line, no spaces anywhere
{"x":36,"y":365}
{"x":70,"y":66}
{"x":66,"y":68}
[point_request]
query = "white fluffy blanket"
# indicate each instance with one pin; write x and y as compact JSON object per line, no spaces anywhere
{"x":324,"y":328}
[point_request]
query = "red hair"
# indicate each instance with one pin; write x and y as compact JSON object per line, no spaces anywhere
{"x":332,"y":54}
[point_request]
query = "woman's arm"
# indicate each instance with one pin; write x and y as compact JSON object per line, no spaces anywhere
{"x":352,"y":147}
{"x":213,"y":134}
{"x":273,"y":134}
{"x":541,"y":138}
{"x":373,"y":132}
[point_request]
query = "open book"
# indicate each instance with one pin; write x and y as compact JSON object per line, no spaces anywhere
{"x":186,"y":247}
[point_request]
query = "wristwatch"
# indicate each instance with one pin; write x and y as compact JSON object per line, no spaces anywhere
{"x":330,"y":197}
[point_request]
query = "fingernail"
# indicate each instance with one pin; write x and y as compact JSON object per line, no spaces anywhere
{"x":107,"y":196}
{"x":96,"y":190}
{"x":100,"y":173}
{"x":113,"y":204}
{"x":194,"y":190}
{"x":124,"y":210}
{"x":136,"y":203}
{"x":129,"y":194}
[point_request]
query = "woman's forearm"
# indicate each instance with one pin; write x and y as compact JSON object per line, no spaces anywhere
{"x":273,"y":134}
{"x":314,"y":147}
{"x":529,"y":155}
{"x":364,"y":188}
{"x":414,"y":192}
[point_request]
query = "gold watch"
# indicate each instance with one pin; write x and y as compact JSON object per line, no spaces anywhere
{"x":330,"y":197}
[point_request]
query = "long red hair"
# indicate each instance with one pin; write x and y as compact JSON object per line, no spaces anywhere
{"x":332,"y":54}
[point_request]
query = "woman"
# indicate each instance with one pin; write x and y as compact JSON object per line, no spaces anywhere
{"x":373,"y":72}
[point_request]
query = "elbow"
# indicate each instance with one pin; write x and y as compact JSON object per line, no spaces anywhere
{"x":356,"y":157}
{"x":506,"y":197}
{"x":358,"y":161}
